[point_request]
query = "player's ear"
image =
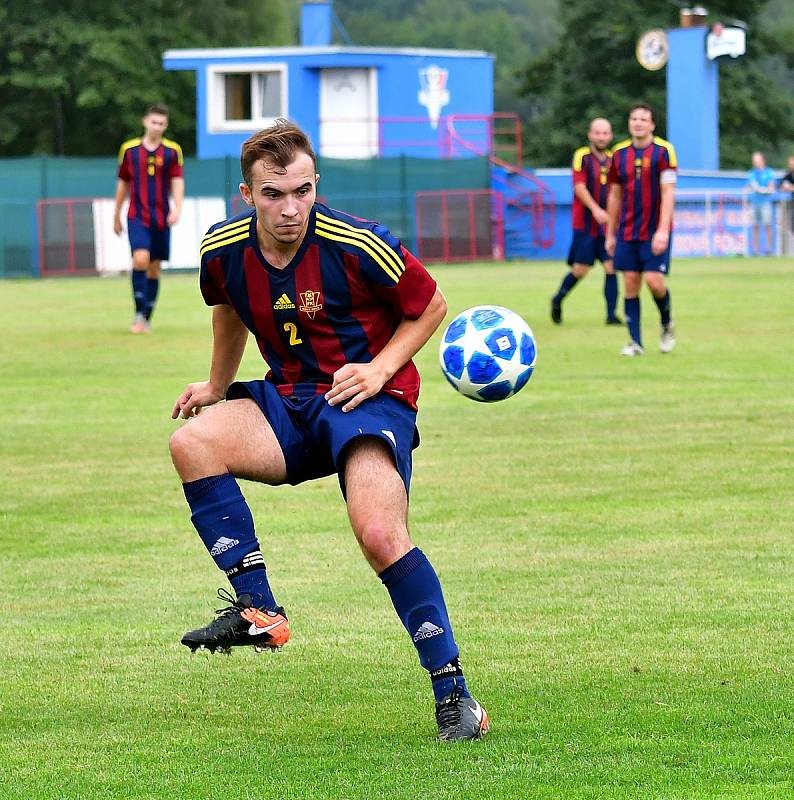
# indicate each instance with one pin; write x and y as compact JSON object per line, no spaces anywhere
{"x":316,"y":178}
{"x":245,"y":191}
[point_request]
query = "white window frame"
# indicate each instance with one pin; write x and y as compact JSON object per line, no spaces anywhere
{"x":216,"y":98}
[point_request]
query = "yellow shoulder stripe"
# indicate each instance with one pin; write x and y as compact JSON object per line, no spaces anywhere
{"x":174,"y":146}
{"x":670,"y":150}
{"x":221,"y":242}
{"x":226,"y":230}
{"x":387,"y":255}
{"x":621,"y":145}
{"x":127,"y":145}
{"x":578,"y":157}
{"x":337,"y":237}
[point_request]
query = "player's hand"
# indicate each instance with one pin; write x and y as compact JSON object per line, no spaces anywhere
{"x":354,"y":383}
{"x":194,"y":398}
{"x":600,"y":216}
{"x":659,"y":243}
{"x":609,"y":245}
{"x":173,"y":217}
{"x":117,"y":226}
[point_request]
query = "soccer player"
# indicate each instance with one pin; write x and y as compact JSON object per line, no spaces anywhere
{"x":640,"y":218}
{"x":761,"y":185}
{"x":590,"y":169}
{"x":150,"y":169}
{"x":338,"y":308}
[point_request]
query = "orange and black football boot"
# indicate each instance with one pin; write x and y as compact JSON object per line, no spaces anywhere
{"x":238,"y":624}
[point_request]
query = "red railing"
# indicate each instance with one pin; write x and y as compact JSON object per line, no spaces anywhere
{"x":476,"y":233}
{"x":66,"y":237}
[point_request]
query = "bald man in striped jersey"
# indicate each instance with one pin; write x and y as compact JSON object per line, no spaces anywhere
{"x":590,"y":168}
{"x":338,"y":308}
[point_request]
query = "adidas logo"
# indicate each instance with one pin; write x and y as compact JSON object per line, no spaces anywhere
{"x":222,"y":545}
{"x":426,"y":631}
{"x":283,"y":302}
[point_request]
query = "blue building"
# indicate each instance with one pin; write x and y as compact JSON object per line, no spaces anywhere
{"x":354,"y":102}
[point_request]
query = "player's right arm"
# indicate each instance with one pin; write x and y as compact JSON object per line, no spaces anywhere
{"x":229,"y":336}
{"x":583,"y":194}
{"x":122,"y":190}
{"x":614,"y":200}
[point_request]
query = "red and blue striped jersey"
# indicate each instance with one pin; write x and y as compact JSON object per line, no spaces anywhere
{"x":149,"y":174}
{"x":637,"y":170}
{"x":592,"y":172}
{"x":338,"y":301}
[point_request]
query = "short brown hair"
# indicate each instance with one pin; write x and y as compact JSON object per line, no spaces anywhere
{"x":643,"y":107}
{"x":278,"y":144}
{"x":157,"y":108}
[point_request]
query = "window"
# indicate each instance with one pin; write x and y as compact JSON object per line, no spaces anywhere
{"x":246,"y":96}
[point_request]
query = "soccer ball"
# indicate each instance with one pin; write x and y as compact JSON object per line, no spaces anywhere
{"x":488,"y":353}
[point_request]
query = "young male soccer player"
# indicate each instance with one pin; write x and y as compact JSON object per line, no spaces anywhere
{"x":761,"y":186}
{"x":640,"y":211}
{"x":338,"y":308}
{"x":150,"y":168}
{"x":590,"y":169}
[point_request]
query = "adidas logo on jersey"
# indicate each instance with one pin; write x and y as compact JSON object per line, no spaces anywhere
{"x":426,"y":631}
{"x":283,"y":303}
{"x":222,"y":545}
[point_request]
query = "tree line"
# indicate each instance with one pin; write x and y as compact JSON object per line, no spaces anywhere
{"x":75,"y":77}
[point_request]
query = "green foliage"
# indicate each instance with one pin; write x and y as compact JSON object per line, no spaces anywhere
{"x":591,"y":71}
{"x":76,"y":78}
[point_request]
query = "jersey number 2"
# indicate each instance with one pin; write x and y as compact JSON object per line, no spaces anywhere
{"x":292,"y":329}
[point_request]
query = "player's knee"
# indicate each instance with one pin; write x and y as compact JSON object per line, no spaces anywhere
{"x":383,"y":543}
{"x":186,"y":443}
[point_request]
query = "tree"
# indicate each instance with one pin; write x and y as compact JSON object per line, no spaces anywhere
{"x":592,"y":71}
{"x":75,"y":78}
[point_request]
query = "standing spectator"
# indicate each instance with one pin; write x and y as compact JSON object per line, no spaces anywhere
{"x":761,"y":185}
{"x":150,"y":169}
{"x":787,"y":185}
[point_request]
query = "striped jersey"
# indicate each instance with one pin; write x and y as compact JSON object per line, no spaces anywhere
{"x":149,"y":174}
{"x":592,"y":172}
{"x":338,"y":301}
{"x":637,"y":170}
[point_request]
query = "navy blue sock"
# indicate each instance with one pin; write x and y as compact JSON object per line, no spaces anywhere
{"x":631,"y":306}
{"x":224,"y":522}
{"x":415,"y":591}
{"x":663,"y":304}
{"x":139,"y":290}
{"x":568,"y":282}
{"x":611,"y":293}
{"x":152,"y":287}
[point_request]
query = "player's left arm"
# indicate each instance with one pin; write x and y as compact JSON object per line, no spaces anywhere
{"x":661,"y":238}
{"x":178,"y":196}
{"x":354,"y":383}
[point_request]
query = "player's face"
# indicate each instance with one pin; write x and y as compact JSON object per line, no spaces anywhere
{"x":600,"y":135}
{"x":758,"y":161}
{"x":641,"y":124}
{"x":791,"y":164}
{"x":155,"y":125}
{"x":283,"y":198}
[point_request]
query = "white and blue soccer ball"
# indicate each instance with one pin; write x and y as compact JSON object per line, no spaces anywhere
{"x":488,"y":353}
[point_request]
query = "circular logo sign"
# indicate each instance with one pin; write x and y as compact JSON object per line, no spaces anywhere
{"x":653,"y":49}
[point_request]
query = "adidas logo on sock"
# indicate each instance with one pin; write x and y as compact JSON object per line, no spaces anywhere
{"x":283,"y":302}
{"x":222,"y":545}
{"x":426,"y":631}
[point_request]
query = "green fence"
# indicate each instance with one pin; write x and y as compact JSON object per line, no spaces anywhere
{"x":381,"y":189}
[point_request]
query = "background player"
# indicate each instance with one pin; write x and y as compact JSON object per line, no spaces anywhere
{"x":338,"y":308}
{"x":761,"y":185}
{"x":150,"y":169}
{"x":590,"y":169}
{"x":640,"y":208}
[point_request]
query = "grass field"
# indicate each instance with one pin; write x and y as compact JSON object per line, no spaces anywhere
{"x":615,"y":545}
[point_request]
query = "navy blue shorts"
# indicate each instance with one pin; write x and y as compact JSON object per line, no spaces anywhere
{"x":157,"y":242}
{"x":313,"y":435}
{"x":585,"y":249}
{"x":637,"y":257}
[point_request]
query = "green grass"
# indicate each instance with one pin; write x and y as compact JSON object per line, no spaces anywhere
{"x":615,"y":545}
